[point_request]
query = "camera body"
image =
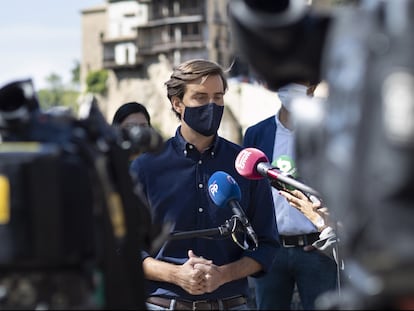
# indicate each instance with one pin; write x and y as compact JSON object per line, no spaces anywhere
{"x":71,"y":225}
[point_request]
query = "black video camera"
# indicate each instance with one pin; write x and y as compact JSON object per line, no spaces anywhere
{"x":358,"y":150}
{"x":71,"y":224}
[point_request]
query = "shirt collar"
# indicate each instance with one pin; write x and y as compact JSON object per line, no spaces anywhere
{"x":185,"y":147}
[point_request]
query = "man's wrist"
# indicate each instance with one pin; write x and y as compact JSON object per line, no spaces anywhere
{"x":320,"y":223}
{"x":321,"y":228}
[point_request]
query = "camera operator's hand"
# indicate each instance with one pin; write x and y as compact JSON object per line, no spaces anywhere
{"x":318,"y":215}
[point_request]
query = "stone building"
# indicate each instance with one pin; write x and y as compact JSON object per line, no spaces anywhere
{"x":138,"y":42}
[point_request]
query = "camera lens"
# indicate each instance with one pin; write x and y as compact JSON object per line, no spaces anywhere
{"x":16,"y":95}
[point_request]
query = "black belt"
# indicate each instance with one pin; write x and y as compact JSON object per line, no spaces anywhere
{"x":178,"y":304}
{"x":299,"y":240}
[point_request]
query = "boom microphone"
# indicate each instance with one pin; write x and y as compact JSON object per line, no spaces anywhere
{"x":223,"y":191}
{"x":252,"y":163}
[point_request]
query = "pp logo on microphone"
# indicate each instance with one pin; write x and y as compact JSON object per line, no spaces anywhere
{"x":213,"y":188}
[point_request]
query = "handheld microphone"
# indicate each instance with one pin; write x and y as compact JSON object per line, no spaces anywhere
{"x":252,"y":163}
{"x":288,"y":168}
{"x":223,"y":191}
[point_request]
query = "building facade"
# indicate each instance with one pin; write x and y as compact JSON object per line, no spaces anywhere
{"x":138,"y":41}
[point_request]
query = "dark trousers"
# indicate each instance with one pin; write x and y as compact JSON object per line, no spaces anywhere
{"x":314,"y":273}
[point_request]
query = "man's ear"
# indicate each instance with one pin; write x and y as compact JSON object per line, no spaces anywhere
{"x":177,"y":104}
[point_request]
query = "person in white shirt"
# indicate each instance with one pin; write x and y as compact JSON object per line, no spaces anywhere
{"x":319,"y":216}
{"x":297,"y":262}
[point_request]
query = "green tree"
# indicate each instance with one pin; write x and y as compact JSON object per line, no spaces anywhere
{"x":96,"y":81}
{"x":52,"y":96}
{"x":76,"y":72}
{"x":76,"y":75}
{"x":56,"y":94}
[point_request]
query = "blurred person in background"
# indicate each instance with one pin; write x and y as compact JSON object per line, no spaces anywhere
{"x":319,"y":216}
{"x":129,"y":115}
{"x":297,"y":263}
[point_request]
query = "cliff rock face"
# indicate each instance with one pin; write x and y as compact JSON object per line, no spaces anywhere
{"x":245,"y":103}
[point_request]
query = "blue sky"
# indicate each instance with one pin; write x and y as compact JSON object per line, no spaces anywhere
{"x":38,"y":37}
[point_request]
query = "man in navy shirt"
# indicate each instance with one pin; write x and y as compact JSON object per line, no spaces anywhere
{"x":197,"y":273}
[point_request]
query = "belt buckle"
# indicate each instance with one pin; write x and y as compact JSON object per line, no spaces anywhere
{"x":287,"y":245}
{"x":195,"y":303}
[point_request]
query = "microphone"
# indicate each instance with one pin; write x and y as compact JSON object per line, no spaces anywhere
{"x":252,"y":163}
{"x":288,"y":168}
{"x":223,"y":191}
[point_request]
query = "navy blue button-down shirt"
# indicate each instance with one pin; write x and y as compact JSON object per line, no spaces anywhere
{"x":175,"y":183}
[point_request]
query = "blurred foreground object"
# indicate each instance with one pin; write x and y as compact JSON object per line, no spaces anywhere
{"x":71,"y":226}
{"x":288,"y":39}
{"x":358,"y":146}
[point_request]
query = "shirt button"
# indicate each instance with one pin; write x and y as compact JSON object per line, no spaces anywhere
{"x":185,"y":152}
{"x":199,"y":161}
{"x":200,"y":209}
{"x":190,"y":146}
{"x":212,"y":153}
{"x":200,"y":185}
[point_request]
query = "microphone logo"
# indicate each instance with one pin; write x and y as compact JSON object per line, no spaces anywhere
{"x":286,"y":165}
{"x":242,"y":158}
{"x":246,"y":163}
{"x":213,"y":188}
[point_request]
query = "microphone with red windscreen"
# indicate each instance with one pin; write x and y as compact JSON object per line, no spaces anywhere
{"x":252,"y":163}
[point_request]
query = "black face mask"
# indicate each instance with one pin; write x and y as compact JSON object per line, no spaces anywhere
{"x":204,"y":119}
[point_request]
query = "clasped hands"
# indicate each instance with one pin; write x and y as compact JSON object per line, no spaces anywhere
{"x":199,"y":275}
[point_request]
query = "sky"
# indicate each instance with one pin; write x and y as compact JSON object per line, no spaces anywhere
{"x":40,"y":37}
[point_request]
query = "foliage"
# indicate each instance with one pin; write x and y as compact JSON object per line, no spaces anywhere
{"x":66,"y":98}
{"x":52,"y":96}
{"x":96,"y":81}
{"x":76,"y":73}
{"x":56,"y":94}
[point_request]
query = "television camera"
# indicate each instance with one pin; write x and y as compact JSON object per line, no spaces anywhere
{"x":357,"y":146}
{"x":71,"y":224}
